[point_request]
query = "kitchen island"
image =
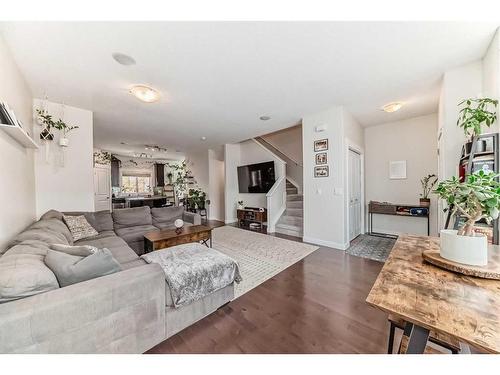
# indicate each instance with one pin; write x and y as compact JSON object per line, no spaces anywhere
{"x":138,"y":201}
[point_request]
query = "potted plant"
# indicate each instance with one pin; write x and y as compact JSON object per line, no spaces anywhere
{"x":240,"y":205}
{"x":428,"y":183}
{"x":170,"y":176}
{"x":478,"y":197}
{"x":45,"y":120}
{"x":474,"y":114}
{"x":196,"y":199}
{"x":62,"y":126}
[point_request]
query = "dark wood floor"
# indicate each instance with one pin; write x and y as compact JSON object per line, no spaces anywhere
{"x":315,"y":306}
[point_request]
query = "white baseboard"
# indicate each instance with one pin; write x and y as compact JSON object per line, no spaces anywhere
{"x":332,"y":244}
{"x":231,"y":221}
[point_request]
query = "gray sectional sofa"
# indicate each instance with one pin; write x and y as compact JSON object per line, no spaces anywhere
{"x":126,"y":312}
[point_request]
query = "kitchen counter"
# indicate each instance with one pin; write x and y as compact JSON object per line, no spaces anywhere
{"x":137,"y":201}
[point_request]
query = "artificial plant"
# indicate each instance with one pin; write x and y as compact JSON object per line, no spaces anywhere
{"x":428,"y":183}
{"x":478,"y":197}
{"x":475,"y":113}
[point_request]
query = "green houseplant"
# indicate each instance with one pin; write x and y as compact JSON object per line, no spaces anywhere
{"x":474,"y":114}
{"x":478,"y":197}
{"x":196,"y":199}
{"x":428,"y":183}
{"x":48,"y":123}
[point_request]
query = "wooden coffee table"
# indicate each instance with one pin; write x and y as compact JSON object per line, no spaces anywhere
{"x":163,"y":238}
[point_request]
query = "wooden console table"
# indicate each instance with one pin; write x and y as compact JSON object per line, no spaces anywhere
{"x":401,"y":210}
{"x":430,"y":298}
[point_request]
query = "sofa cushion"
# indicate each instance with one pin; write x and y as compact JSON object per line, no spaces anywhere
{"x":100,"y":220}
{"x":36,"y":234}
{"x":55,"y":225}
{"x":118,"y":247}
{"x":134,"y":234}
{"x":52,"y":214}
{"x":79,"y":227}
{"x":166,"y":214}
{"x":71,"y":269}
{"x":132,"y":217}
{"x":78,"y":250}
{"x":23,"y":272}
{"x":133,"y":263}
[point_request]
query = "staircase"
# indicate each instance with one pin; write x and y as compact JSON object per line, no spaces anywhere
{"x":291,"y":222}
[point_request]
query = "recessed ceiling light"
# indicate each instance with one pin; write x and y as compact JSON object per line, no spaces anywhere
{"x":265,"y":118}
{"x":145,"y":93}
{"x":392,"y":107}
{"x":123,"y":59}
{"x":203,"y":138}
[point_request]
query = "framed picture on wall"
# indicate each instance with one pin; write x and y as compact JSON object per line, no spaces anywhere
{"x":322,"y":171}
{"x":321,"y":145}
{"x":321,"y":158}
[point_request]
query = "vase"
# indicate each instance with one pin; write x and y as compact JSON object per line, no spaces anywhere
{"x":464,"y":249}
{"x":63,"y":142}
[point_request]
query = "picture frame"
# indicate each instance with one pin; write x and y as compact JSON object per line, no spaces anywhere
{"x":321,"y":171}
{"x":322,"y":158}
{"x":397,"y":170}
{"x":321,"y":145}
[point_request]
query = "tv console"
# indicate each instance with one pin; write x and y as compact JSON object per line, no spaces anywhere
{"x":252,"y":219}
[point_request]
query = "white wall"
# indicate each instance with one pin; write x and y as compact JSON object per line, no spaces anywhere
{"x":231,"y":162}
{"x":65,"y":181}
{"x":216,"y":184}
{"x":491,"y":74}
{"x":198,"y":164}
{"x":17,"y":187}
{"x":324,"y":205}
{"x":288,"y":141}
{"x":413,"y":140}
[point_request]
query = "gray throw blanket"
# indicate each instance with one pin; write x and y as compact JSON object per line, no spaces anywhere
{"x":193,"y":271}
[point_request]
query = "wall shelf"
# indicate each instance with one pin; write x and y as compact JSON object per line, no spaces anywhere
{"x":19,"y":135}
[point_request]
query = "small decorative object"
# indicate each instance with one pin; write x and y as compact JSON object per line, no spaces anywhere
{"x":321,"y":145}
{"x":240,"y":205}
{"x":397,"y":170}
{"x":178,"y":226}
{"x":478,"y":197}
{"x":428,"y":183}
{"x":322,"y":171}
{"x":321,"y":158}
{"x":102,"y":157}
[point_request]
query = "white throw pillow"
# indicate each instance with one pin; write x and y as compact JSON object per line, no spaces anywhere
{"x":79,"y":227}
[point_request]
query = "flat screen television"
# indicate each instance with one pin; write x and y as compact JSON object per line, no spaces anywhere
{"x":256,"y":178}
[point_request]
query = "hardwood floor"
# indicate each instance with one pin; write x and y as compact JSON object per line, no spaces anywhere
{"x":315,"y":306}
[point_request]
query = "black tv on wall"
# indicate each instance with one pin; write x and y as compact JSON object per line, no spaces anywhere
{"x":256,"y":178}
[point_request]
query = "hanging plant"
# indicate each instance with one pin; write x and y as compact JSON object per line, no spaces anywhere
{"x":48,"y":123}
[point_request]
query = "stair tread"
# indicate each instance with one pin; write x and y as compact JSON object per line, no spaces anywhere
{"x":289,"y":226}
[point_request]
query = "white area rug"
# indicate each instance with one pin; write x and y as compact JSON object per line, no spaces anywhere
{"x":259,"y":256}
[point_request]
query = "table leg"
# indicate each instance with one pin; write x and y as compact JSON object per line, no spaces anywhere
{"x":414,"y":339}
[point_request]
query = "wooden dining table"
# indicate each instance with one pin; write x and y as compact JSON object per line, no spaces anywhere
{"x":430,"y":298}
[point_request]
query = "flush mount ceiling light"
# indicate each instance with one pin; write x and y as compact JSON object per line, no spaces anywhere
{"x":392,"y":107}
{"x":265,"y":118}
{"x":145,"y":93}
{"x":203,"y":138}
{"x":123,"y":59}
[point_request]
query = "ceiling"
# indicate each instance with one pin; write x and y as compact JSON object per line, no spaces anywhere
{"x":218,"y":78}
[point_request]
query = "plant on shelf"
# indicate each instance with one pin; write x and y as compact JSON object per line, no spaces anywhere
{"x":196,"y":199}
{"x":240,"y":205}
{"x":183,"y":178}
{"x":428,"y":183}
{"x":477,"y":198}
{"x":475,"y":113}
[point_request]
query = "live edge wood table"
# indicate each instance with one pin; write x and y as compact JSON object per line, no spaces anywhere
{"x":161,"y":239}
{"x":430,"y":298}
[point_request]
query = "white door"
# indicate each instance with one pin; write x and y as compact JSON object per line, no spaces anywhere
{"x":102,"y":189}
{"x":354,"y":167}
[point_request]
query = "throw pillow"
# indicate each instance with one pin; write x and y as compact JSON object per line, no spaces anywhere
{"x":81,"y":250}
{"x":79,"y":227}
{"x":71,"y":269}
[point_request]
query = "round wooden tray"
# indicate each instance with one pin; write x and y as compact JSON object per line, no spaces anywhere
{"x":490,"y":271}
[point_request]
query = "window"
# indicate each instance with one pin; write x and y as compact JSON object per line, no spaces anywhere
{"x":136,"y":183}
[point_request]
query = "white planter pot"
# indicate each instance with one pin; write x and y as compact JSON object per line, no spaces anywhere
{"x":464,"y":249}
{"x":63,"y":142}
